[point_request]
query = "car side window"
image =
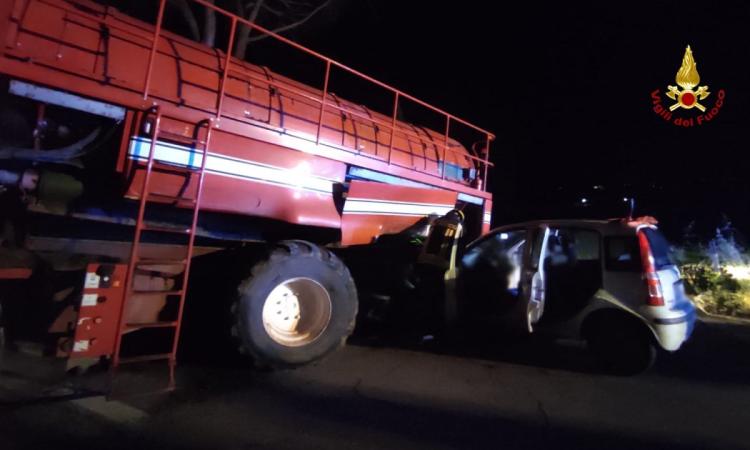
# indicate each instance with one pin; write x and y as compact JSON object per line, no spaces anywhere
{"x":622,"y":254}
{"x":500,"y":245}
{"x":571,"y":246}
{"x":498,"y":257}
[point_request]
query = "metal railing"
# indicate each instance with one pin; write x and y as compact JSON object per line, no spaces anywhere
{"x":234,"y":20}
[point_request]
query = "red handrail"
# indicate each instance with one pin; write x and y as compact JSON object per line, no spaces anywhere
{"x":389,"y":125}
{"x":393,"y":126}
{"x":154,"y":45}
{"x":227,"y":60}
{"x":398,"y":94}
{"x":323,"y":101}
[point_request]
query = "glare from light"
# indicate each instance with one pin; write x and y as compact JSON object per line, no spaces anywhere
{"x":738,"y":271}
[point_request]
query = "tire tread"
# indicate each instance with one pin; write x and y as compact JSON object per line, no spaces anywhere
{"x":283,"y":250}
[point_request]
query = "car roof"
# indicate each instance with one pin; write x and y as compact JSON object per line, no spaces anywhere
{"x":613,"y":226}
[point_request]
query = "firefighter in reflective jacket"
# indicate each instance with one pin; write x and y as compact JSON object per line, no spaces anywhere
{"x":436,"y":269}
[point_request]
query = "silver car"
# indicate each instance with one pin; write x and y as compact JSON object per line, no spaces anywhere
{"x":611,"y":283}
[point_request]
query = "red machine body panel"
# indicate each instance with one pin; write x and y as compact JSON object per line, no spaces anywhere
{"x":278,"y":146}
{"x":372,"y":209}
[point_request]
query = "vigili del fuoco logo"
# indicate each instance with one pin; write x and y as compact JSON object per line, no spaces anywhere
{"x":688,"y":97}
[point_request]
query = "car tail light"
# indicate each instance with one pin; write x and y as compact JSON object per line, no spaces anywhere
{"x":655,"y":296}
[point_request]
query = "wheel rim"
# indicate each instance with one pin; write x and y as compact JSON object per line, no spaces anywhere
{"x":296,"y":312}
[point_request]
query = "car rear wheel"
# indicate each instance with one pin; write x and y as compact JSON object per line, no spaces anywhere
{"x":621,"y":345}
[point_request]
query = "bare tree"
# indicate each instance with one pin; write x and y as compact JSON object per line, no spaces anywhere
{"x":278,"y":16}
{"x":209,"y":26}
{"x":208,"y":36}
{"x":189,"y":17}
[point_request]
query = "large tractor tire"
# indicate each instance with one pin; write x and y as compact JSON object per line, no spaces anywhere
{"x":298,"y":305}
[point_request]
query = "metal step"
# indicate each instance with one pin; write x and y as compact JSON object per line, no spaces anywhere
{"x":144,"y":358}
{"x":163,"y":167}
{"x":137,"y":326}
{"x":166,"y":167}
{"x":165,"y":229}
{"x":180,"y":137}
{"x":155,"y":292}
{"x":160,"y":262}
{"x":172,"y":198}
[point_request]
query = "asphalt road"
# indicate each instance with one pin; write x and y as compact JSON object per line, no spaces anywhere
{"x":530,"y":394}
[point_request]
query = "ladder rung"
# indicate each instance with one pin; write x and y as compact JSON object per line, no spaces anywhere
{"x":166,"y":167}
{"x":172,"y":198}
{"x":144,"y":358}
{"x":157,"y":292}
{"x":160,"y":262}
{"x":182,"y":137}
{"x":165,"y":229}
{"x":135,"y":326}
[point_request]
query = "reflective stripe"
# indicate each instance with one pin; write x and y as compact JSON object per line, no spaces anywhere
{"x":386,"y":207}
{"x":224,"y":165}
{"x":470,"y":199}
{"x":487,"y":217}
{"x":371,"y":175}
{"x":367,"y":174}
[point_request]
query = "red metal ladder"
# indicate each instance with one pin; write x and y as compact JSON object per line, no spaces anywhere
{"x":199,"y":147}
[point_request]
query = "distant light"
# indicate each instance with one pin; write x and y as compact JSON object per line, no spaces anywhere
{"x":598,"y":187}
{"x":624,"y":199}
{"x":503,"y":236}
{"x":584,"y":200}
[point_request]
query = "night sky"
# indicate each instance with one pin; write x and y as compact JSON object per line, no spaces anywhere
{"x":566,"y":86}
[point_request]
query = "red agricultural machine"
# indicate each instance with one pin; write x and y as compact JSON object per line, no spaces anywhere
{"x":128,"y":151}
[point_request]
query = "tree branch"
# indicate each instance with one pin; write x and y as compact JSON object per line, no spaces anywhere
{"x":287,"y":27}
{"x":243,"y":36}
{"x":256,"y":10}
{"x":276,"y":12}
{"x":301,"y":4}
{"x":189,"y":17}
{"x":209,"y":26}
